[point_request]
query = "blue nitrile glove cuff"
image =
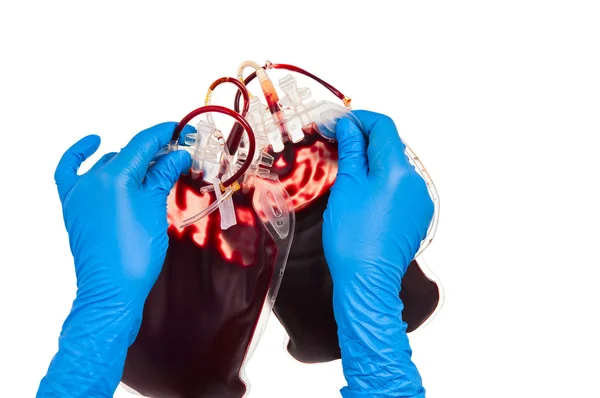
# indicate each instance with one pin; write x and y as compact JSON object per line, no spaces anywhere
{"x":377,"y":215}
{"x":116,"y":217}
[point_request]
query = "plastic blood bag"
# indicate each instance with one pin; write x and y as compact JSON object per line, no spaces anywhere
{"x":307,"y":168}
{"x":204,"y":315}
{"x":251,"y":208}
{"x":304,"y":303}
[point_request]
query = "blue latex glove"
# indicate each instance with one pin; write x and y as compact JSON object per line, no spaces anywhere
{"x":116,"y":217}
{"x":377,"y":215}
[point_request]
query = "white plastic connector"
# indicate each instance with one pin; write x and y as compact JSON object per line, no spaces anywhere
{"x":226,"y":208}
{"x":255,"y":118}
{"x":303,"y":114}
{"x":266,"y":160}
{"x":326,"y":115}
{"x":212,"y":156}
{"x":265,"y":130}
{"x":297,"y":116}
{"x":287,"y":84}
{"x":203,"y":132}
{"x":274,"y":136}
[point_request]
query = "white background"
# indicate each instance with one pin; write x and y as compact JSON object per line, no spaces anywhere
{"x":501,"y":100}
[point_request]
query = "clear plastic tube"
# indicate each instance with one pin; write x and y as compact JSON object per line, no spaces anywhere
{"x":241,"y":88}
{"x":432,"y":193}
{"x":281,"y":225}
{"x":269,"y":65}
{"x":244,"y":65}
{"x":212,"y":207}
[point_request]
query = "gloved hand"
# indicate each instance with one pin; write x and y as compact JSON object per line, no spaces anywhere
{"x":378,"y":213}
{"x":116,"y":218}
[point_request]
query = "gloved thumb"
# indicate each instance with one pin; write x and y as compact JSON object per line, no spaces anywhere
{"x":65,"y":175}
{"x":166,"y":171}
{"x":352,"y":150}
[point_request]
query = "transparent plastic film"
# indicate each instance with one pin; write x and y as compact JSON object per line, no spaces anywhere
{"x":433,"y":194}
{"x":212,"y":162}
{"x":206,"y":211}
{"x":274,"y":207}
{"x":307,"y":165}
{"x":322,"y":118}
{"x":439,"y":290}
{"x":208,"y":309}
{"x":269,"y":178}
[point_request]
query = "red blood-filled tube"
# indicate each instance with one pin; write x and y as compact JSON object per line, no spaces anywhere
{"x":292,"y":68}
{"x":238,"y":118}
{"x":238,"y":95}
{"x":235,"y":136}
{"x":270,"y":95}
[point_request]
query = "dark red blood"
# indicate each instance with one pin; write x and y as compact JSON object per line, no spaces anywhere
{"x":201,"y":315}
{"x":235,"y":137}
{"x":319,"y":172}
{"x":202,"y":312}
{"x":304,"y":304}
{"x":292,"y":190}
{"x":274,"y":108}
{"x":299,"y":176}
{"x":310,"y":129}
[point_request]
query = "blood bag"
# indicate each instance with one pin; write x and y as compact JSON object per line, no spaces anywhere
{"x":245,"y":239}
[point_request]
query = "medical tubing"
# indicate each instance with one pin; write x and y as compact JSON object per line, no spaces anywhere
{"x":430,"y":185}
{"x":212,"y":207}
{"x":433,"y":194}
{"x":237,"y":131}
{"x":238,"y":118}
{"x":269,"y":92}
{"x":238,"y":95}
{"x":292,"y":68}
{"x":247,"y":64}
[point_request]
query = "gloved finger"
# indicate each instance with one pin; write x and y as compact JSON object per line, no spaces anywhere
{"x":165,"y":172}
{"x":386,"y":151}
{"x":352,"y":150}
{"x":135,"y":158}
{"x":65,"y":175}
{"x":102,"y":161}
{"x":187,"y":130}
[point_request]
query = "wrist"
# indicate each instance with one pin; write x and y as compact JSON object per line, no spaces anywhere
{"x":376,"y":354}
{"x":92,"y":348}
{"x":379,"y":282}
{"x":382,"y":272}
{"x":358,"y":300}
